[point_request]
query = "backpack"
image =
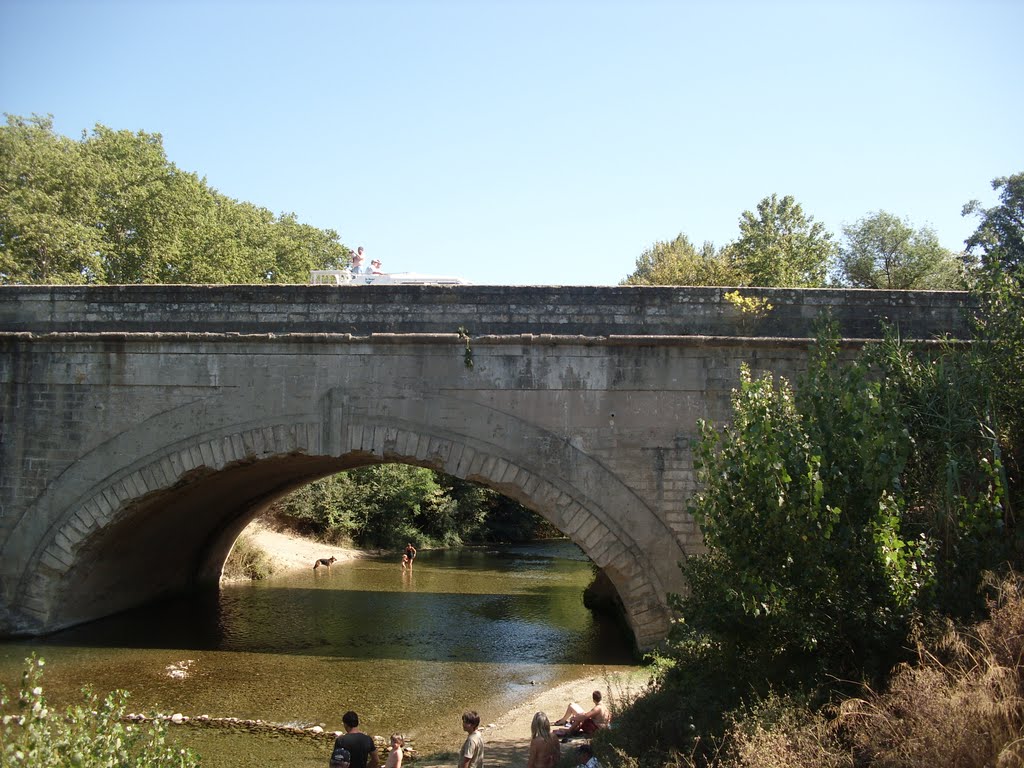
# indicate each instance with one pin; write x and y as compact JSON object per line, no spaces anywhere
{"x":340,"y":758}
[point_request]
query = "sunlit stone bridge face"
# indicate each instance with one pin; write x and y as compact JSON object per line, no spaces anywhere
{"x":144,"y":426}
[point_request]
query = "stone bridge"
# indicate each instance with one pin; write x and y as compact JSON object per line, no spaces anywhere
{"x":144,"y":426}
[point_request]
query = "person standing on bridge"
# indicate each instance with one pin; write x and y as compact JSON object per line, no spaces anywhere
{"x":357,"y":262}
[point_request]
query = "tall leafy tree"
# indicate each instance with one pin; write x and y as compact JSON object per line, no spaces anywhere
{"x":807,"y":570}
{"x":884,"y":251}
{"x":998,"y":248}
{"x":780,"y":246}
{"x":48,"y":207}
{"x":111,"y":208}
{"x":999,"y":239}
{"x":678,"y":262}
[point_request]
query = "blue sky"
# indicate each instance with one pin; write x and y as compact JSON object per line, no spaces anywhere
{"x":544,"y":142}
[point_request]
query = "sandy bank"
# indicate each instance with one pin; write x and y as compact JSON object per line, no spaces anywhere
{"x":290,"y":552}
{"x":507,"y":742}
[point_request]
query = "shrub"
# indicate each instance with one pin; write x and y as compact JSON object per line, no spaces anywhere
{"x":247,"y":561}
{"x":87,"y":735}
{"x":959,"y":704}
{"x":808,"y":572}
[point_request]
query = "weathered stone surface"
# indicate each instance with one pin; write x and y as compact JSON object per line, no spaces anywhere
{"x":160,"y":419}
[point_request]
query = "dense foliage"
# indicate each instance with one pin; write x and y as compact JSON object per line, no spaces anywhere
{"x":680,"y":263}
{"x":111,"y":208}
{"x":780,"y":246}
{"x":843,"y":515}
{"x":884,"y":251}
{"x":387,"y":505}
{"x":92,"y":734}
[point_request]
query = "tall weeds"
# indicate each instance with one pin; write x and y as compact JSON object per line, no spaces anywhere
{"x":961,"y":703}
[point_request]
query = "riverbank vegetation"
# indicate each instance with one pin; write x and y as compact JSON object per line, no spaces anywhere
{"x":852,"y":518}
{"x":388,"y":505}
{"x":247,"y":561}
{"x":91,"y":734}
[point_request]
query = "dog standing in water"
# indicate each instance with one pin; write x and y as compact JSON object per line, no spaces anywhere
{"x":324,"y":561}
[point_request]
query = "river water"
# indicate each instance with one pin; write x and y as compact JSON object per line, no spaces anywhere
{"x":476,"y":628}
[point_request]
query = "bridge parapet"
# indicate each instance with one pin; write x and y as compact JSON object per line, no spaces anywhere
{"x":481,"y":310}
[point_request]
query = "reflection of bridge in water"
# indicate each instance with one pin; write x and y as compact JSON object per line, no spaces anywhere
{"x":145,"y":426}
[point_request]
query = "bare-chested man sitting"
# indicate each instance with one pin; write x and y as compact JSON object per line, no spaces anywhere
{"x":578,"y":721}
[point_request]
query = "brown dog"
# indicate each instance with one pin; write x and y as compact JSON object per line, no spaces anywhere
{"x":324,"y":561}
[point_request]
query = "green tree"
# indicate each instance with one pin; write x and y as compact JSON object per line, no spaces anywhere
{"x":883,"y":251}
{"x":807,"y":571}
{"x":998,"y":272}
{"x":999,"y":239}
{"x":48,"y":209}
{"x":111,"y":208}
{"x":780,"y":246}
{"x":389,"y":504}
{"x":679,"y":263}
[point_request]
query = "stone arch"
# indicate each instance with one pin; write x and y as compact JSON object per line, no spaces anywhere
{"x":581,"y":498}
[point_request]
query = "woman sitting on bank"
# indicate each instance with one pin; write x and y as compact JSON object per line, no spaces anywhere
{"x":544,"y":748}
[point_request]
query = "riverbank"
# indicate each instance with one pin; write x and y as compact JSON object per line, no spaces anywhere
{"x":289,"y":552}
{"x":507,"y":738}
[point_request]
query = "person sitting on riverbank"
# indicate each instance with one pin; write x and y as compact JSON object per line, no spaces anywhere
{"x":577,"y":721}
{"x":544,"y":745}
{"x":362,"y":750}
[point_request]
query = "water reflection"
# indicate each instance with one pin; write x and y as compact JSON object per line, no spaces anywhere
{"x":408,"y":650}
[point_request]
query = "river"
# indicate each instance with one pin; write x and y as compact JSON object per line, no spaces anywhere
{"x":476,"y":628}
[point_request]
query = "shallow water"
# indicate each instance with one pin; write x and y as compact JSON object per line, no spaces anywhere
{"x":472,"y":628}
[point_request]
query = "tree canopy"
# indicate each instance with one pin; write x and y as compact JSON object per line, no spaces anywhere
{"x":111,"y":208}
{"x":780,"y":246}
{"x":884,"y":251}
{"x":679,"y":263}
{"x":999,"y":238}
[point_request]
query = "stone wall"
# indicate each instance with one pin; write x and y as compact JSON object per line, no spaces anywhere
{"x":481,"y":310}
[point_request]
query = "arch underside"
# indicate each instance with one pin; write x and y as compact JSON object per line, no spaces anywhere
{"x":166,"y":523}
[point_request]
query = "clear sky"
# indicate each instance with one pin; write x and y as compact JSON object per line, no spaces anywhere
{"x":518,"y":141}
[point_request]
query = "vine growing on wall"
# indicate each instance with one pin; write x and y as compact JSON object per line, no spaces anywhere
{"x":467,"y":356}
